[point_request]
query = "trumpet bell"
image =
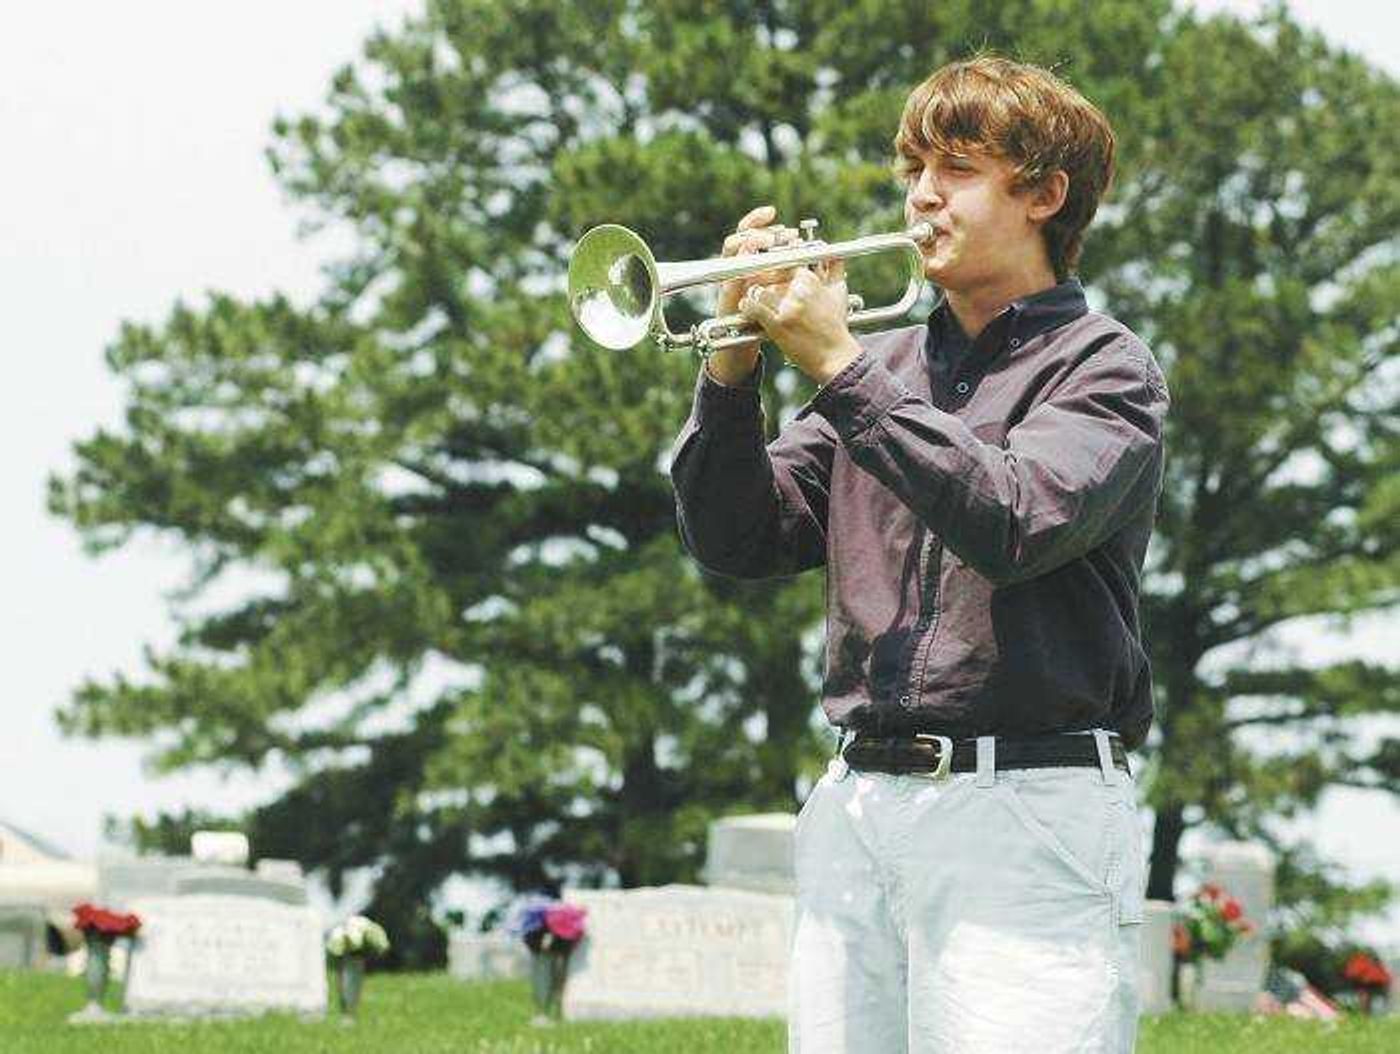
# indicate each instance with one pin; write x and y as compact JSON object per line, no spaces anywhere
{"x":614,"y":286}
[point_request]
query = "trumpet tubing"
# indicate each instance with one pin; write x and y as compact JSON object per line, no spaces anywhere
{"x":616,"y":286}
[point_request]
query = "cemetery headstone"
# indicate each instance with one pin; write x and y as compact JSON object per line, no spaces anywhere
{"x":282,"y":870}
{"x":120,"y":882}
{"x":752,"y":852}
{"x":208,"y":955}
{"x":1246,"y":871}
{"x":680,"y":951}
{"x":229,"y":848}
{"x":1158,"y":960}
{"x":242,"y":884}
{"x":486,"y":956}
{"x":23,"y":937}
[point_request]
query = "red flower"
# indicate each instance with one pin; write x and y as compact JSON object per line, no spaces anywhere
{"x":1232,"y":910}
{"x":1366,"y":972}
{"x":88,"y":918}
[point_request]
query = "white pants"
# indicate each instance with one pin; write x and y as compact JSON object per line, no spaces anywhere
{"x":992,"y":913}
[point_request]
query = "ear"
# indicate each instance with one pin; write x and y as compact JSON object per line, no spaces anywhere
{"x":1048,"y":197}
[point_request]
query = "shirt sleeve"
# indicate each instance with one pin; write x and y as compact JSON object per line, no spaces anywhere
{"x":747,"y":509}
{"x":1074,"y":471}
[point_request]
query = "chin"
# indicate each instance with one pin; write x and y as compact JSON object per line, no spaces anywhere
{"x":936,"y":273}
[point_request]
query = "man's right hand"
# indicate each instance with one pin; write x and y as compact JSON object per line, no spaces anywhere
{"x":756,"y":232}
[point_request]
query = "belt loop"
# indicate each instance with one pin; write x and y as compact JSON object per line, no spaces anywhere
{"x":1110,"y":774}
{"x":986,"y":761}
{"x":837,"y":768}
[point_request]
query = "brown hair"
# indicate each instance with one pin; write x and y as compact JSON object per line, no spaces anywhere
{"x":1027,"y":116}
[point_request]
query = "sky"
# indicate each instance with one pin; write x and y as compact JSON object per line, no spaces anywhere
{"x":134,"y":177}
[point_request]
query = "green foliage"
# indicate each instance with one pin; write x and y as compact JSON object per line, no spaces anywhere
{"x":471,"y":633}
{"x":1254,"y":241}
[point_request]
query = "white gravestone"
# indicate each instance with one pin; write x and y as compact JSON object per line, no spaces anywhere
{"x":242,"y":884}
{"x":1158,"y":959}
{"x":229,"y":848}
{"x":202,"y":955}
{"x":120,"y":882}
{"x":752,"y":852}
{"x":281,"y":870}
{"x":677,"y":951}
{"x":23,"y":937}
{"x":1246,"y":871}
{"x":486,"y":957}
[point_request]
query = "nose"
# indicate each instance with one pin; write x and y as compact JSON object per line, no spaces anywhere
{"x":925,"y":195}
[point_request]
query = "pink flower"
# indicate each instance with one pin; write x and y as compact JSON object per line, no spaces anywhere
{"x":565,"y":921}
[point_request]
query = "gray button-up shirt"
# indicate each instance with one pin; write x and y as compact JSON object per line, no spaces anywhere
{"x":983,"y":517}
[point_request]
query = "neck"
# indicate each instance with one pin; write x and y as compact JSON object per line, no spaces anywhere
{"x":977,"y":305}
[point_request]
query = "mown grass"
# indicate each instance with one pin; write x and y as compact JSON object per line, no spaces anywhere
{"x":432,"y":1014}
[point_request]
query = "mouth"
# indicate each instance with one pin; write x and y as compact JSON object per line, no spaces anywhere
{"x":934,"y":233}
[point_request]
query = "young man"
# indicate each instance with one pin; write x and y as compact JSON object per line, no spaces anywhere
{"x":981,"y":491}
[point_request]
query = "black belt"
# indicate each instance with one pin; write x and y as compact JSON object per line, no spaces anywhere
{"x":923,"y":755}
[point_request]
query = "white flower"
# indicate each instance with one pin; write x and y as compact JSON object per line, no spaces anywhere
{"x":336,"y":942}
{"x":357,"y":935}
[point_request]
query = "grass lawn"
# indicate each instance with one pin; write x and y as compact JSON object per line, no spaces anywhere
{"x":432,"y":1014}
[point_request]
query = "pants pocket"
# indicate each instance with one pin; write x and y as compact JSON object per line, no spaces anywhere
{"x":1070,"y":813}
{"x":1131,"y":882}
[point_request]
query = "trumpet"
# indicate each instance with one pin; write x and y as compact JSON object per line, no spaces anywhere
{"x":616,"y":286}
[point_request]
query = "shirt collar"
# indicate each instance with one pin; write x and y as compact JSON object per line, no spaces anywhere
{"x":1021,"y":320}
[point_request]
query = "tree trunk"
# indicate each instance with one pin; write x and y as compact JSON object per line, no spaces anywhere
{"x":640,"y":794}
{"x":1166,"y":845}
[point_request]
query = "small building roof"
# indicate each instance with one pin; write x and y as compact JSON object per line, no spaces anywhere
{"x":19,"y":846}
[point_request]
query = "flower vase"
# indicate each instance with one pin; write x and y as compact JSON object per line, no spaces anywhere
{"x":349,"y":981}
{"x":1188,"y":983}
{"x":549,"y":969}
{"x":96,"y":976}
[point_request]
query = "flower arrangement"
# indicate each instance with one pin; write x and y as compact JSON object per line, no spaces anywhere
{"x":349,"y":945}
{"x":101,"y":929}
{"x":94,"y":922}
{"x":1368,"y":977}
{"x":357,"y":935}
{"x":1210,"y":924}
{"x":547,"y":925}
{"x":1367,"y":973}
{"x":550,"y":929}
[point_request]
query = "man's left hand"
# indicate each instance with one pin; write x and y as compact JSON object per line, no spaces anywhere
{"x":806,"y":318}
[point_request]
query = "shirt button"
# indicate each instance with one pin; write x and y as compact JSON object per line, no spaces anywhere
{"x":962,"y":387}
{"x":1015,"y":342}
{"x":903,"y":700}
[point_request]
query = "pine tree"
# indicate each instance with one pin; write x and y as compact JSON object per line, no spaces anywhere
{"x":477,"y":642}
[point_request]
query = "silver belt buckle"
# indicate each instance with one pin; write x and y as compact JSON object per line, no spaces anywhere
{"x":945,"y":758}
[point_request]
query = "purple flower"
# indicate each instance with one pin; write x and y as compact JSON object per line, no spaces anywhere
{"x":528,"y":919}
